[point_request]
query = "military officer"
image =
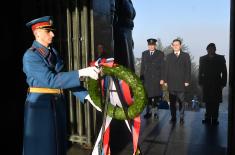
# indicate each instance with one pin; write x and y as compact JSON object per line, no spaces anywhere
{"x":45,"y":111}
{"x":212,"y":79}
{"x":151,"y":74}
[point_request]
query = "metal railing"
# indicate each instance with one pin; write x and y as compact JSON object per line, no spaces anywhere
{"x":87,"y":25}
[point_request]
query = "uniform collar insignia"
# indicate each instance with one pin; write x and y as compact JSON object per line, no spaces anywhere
{"x":41,"y":49}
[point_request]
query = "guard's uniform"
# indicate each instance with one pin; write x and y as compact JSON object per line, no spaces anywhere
{"x":151,"y":73}
{"x":45,"y":110}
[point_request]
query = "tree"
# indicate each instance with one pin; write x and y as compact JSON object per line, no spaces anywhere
{"x":137,"y":66}
{"x":159,"y":44}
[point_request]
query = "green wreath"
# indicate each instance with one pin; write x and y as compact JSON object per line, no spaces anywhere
{"x":134,"y":83}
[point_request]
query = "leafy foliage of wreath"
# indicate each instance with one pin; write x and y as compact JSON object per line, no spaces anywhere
{"x":134,"y":83}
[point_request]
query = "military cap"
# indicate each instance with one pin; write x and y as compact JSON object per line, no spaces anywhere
{"x":211,"y":45}
{"x":45,"y":22}
{"x":152,"y":41}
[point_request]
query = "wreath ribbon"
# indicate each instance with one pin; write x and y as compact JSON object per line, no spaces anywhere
{"x":135,"y":104}
{"x":132,"y":80}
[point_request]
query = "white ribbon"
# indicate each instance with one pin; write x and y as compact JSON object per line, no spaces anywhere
{"x":115,"y":101}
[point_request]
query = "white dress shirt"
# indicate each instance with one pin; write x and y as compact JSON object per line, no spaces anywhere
{"x":151,"y":52}
{"x":177,"y":53}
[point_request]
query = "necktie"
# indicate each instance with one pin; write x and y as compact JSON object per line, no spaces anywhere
{"x":177,"y":54}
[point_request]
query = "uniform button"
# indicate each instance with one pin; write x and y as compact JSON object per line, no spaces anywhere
{"x":56,"y":98}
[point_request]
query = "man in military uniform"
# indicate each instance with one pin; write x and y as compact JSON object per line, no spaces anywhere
{"x":212,"y":79}
{"x":124,"y":14}
{"x":45,"y":111}
{"x":177,"y":78}
{"x":122,"y":31}
{"x":151,"y":74}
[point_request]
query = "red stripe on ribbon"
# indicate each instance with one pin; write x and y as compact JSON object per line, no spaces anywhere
{"x":129,"y":100}
{"x":106,"y":146}
{"x":104,"y":62}
{"x":136,"y":133}
{"x":126,"y":92}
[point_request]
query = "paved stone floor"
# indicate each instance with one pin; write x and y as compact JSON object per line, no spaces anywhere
{"x":159,"y":137}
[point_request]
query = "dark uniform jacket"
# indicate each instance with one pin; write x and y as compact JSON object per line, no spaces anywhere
{"x":177,"y":71}
{"x":122,"y":28}
{"x":124,"y":14}
{"x":152,"y":72}
{"x":212,"y":77}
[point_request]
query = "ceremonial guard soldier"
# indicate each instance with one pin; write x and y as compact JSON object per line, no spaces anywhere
{"x":45,"y":110}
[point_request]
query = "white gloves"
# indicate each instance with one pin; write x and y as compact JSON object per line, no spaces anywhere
{"x":92,"y":103}
{"x":91,"y":72}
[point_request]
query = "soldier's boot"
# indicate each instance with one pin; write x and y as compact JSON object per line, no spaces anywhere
{"x":148,"y":114}
{"x":154,"y":113}
{"x":173,"y":119}
{"x":181,"y":120}
{"x":206,"y":120}
{"x":214,"y":121}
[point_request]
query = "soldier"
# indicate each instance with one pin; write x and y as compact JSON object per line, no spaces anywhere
{"x":45,"y":111}
{"x":177,"y":77}
{"x":212,"y":79}
{"x":124,"y":14}
{"x":151,"y":74}
{"x":122,"y":30}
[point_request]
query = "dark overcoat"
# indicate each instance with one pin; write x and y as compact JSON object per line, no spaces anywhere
{"x":152,"y":72}
{"x":212,"y":77}
{"x":45,"y":114}
{"x":177,"y":71}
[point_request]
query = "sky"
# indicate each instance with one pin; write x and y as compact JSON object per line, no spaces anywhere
{"x":198,"y":22}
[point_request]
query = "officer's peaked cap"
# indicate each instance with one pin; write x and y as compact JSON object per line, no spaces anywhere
{"x":45,"y":22}
{"x":151,"y":41}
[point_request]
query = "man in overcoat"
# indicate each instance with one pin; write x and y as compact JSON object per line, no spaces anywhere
{"x":177,"y":78}
{"x":45,"y":110}
{"x":151,"y":74}
{"x":212,"y":79}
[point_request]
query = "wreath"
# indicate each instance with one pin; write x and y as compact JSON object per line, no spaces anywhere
{"x":134,"y":83}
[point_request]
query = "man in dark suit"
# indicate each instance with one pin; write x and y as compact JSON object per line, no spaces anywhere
{"x":212,"y":79}
{"x":151,"y":74}
{"x":177,"y":78}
